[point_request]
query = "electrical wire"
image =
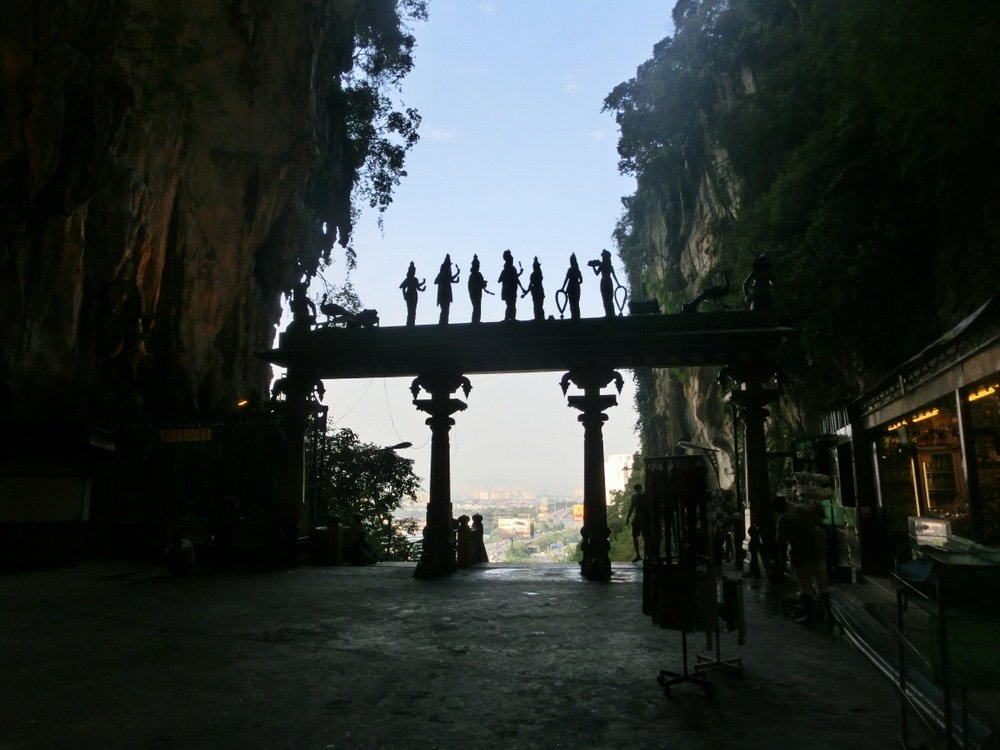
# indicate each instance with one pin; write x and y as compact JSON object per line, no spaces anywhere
{"x":356,"y":403}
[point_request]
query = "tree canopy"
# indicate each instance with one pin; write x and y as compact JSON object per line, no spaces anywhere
{"x":353,"y":476}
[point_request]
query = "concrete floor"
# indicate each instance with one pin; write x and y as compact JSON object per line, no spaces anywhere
{"x":122,"y":656}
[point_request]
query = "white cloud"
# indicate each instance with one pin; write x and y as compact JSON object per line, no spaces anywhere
{"x":598,"y":135}
{"x":487,"y":8}
{"x":436,"y":134}
{"x":571,"y":88}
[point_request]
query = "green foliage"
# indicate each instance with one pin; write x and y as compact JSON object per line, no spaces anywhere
{"x":354,"y":476}
{"x":370,"y":132}
{"x":857,"y":141}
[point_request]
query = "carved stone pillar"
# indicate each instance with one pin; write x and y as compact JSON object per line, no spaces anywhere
{"x":756,"y":386}
{"x":296,"y":409}
{"x":596,"y":563}
{"x":438,"y":555}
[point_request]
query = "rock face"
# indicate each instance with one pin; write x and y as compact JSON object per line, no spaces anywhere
{"x":157,"y":168}
{"x":685,"y":404}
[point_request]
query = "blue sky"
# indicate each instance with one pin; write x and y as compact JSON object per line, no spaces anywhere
{"x":514,"y":153}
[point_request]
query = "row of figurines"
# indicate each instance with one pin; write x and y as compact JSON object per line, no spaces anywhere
{"x":510,"y":284}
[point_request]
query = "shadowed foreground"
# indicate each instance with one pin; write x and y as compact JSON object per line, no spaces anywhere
{"x":120,"y":655}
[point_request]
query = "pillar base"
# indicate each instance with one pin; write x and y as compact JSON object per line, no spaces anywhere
{"x":437,"y":558}
{"x":596,"y":562}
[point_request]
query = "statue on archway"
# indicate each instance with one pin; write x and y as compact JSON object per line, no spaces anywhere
{"x":477,"y":285}
{"x":606,"y":271}
{"x":510,"y":282}
{"x":444,"y":280}
{"x":536,"y":290}
{"x":571,"y":289}
{"x":303,"y":309}
{"x":757,"y":285}
{"x":411,"y":287}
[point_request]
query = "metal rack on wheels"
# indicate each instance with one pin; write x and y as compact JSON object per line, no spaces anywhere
{"x":680,"y":586}
{"x":948,"y":627}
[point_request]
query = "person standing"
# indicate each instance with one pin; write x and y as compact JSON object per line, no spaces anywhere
{"x":463,"y":542}
{"x":801,"y":537}
{"x":638,"y":512}
{"x":479,"y":553}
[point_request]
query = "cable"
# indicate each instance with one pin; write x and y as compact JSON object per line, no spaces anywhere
{"x":385,"y":391}
{"x":360,"y":398}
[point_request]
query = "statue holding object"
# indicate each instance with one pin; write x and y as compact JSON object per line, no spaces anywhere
{"x":609,"y":290}
{"x":411,"y":287}
{"x":570,"y":290}
{"x":510,"y":282}
{"x":536,"y":290}
{"x":444,"y":280}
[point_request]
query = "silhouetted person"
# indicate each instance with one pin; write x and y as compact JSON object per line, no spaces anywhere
{"x":754,"y":545}
{"x":444,"y":280}
{"x":571,"y":286}
{"x":510,"y":283}
{"x":536,"y":290}
{"x":757,"y":285}
{"x":479,"y":553}
{"x":359,"y":552}
{"x":179,"y":555}
{"x":799,"y":534}
{"x":463,"y":542}
{"x":477,"y":285}
{"x":411,"y":287}
{"x":638,"y":512}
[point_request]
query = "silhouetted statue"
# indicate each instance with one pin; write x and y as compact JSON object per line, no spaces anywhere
{"x":477,"y":285}
{"x":341,"y":316}
{"x":410,"y":287}
{"x":303,"y":309}
{"x":716,"y":293}
{"x":606,"y":271}
{"x":757,"y":286}
{"x":536,"y":290}
{"x":444,"y":280}
{"x":510,"y":282}
{"x":571,"y":289}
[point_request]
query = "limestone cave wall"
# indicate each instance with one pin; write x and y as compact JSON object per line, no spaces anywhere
{"x":157,"y":171}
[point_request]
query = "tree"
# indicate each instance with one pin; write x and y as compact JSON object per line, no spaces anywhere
{"x":352,"y":476}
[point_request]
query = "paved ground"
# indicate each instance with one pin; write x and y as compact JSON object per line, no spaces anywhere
{"x":122,"y":656}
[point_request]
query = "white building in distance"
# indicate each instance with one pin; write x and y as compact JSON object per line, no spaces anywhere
{"x":617,"y":468}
